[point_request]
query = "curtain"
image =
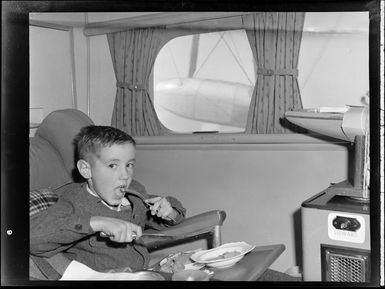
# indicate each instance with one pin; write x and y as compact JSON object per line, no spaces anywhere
{"x":133,"y":55}
{"x":275,"y":39}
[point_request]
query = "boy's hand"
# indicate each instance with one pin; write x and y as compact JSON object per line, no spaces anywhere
{"x":160,"y":207}
{"x":118,"y":230}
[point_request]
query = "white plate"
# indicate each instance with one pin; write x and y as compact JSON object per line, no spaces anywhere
{"x":208,"y":257}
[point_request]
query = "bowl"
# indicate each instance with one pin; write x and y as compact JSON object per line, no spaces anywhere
{"x":223,"y":256}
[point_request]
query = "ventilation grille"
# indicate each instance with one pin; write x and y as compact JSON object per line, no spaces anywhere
{"x":346,"y":269}
{"x":345,"y":265}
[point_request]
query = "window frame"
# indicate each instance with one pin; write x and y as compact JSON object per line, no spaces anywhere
{"x":172,"y":36}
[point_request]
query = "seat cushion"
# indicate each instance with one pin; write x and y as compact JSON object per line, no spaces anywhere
{"x":39,"y":200}
{"x":52,"y":268}
{"x":46,"y":169}
{"x":59,"y":129}
{"x":41,"y":268}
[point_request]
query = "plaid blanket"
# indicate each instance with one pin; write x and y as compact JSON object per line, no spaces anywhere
{"x":39,"y":200}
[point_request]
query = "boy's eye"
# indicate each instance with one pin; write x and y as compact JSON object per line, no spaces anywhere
{"x":112,"y":166}
{"x":130,"y":165}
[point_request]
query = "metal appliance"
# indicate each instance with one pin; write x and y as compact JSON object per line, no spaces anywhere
{"x":335,"y":239}
{"x":335,"y":222}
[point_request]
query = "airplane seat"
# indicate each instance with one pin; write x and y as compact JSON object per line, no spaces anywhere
{"x":52,"y":165}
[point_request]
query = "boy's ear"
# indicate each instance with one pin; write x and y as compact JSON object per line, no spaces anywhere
{"x":84,"y":169}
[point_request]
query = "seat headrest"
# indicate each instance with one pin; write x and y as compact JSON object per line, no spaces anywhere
{"x":59,"y":128}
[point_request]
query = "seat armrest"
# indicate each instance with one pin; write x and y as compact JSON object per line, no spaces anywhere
{"x":194,"y":227}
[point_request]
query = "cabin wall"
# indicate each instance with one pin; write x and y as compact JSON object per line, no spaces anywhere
{"x":96,"y":84}
{"x":260,"y":186}
{"x":50,"y":72}
{"x":102,"y":81}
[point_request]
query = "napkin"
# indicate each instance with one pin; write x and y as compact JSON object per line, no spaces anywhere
{"x":80,"y":271}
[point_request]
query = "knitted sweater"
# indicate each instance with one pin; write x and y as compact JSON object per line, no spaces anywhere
{"x":65,"y":227}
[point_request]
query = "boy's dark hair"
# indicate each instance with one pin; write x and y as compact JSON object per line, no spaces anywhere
{"x":91,"y":138}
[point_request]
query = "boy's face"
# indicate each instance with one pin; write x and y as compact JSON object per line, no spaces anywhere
{"x":110,"y":170}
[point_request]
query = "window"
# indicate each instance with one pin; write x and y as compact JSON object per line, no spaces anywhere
{"x":204,"y":82}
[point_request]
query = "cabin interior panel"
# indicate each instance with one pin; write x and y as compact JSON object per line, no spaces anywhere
{"x":260,"y":188}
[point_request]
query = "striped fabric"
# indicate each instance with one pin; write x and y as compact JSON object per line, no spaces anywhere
{"x":275,"y":40}
{"x":133,"y":55}
{"x":39,"y":200}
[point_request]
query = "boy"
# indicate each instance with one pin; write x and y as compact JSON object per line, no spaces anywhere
{"x":97,"y":222}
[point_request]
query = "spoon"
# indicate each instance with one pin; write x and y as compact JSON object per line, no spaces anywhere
{"x":140,"y":196}
{"x":135,"y":193}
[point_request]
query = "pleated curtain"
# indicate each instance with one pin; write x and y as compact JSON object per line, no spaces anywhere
{"x":133,"y":55}
{"x":275,"y":39}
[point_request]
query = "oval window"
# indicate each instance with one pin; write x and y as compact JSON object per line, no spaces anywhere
{"x":204,"y":82}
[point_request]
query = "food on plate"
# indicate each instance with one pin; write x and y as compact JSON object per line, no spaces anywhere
{"x":175,"y":262}
{"x":225,"y":255}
